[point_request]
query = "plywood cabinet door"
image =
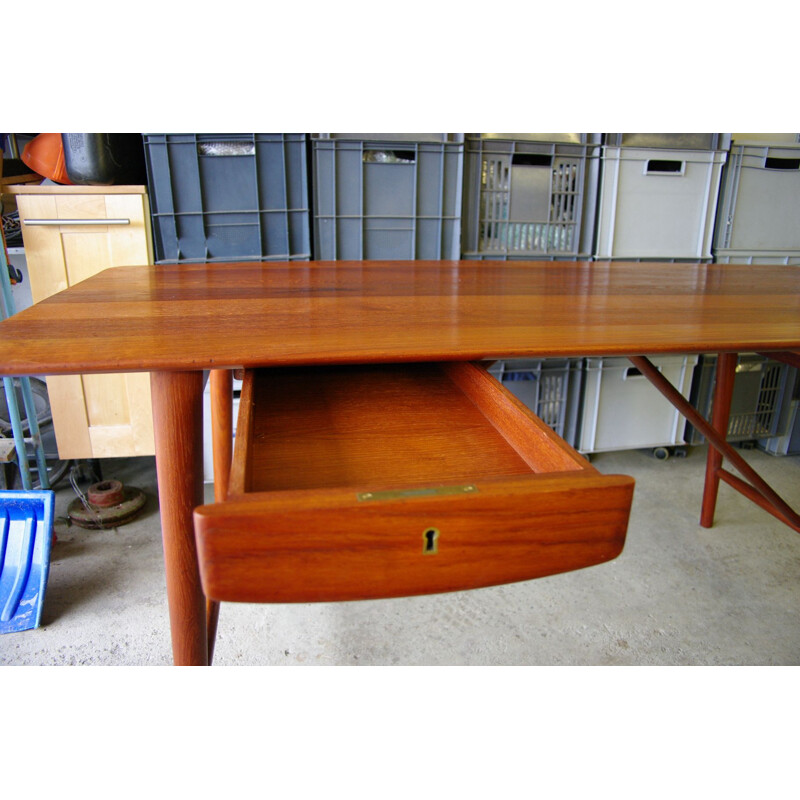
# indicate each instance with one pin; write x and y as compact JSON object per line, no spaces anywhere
{"x":94,"y":416}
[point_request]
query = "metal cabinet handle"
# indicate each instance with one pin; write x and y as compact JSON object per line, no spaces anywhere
{"x":77,"y":222}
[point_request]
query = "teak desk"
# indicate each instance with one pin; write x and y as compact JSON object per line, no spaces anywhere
{"x":176,"y":321}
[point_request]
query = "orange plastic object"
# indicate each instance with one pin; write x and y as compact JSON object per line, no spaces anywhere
{"x":44,"y":154}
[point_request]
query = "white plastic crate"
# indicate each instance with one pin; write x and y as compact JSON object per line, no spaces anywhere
{"x":657,"y":203}
{"x":759,"y":204}
{"x":526,"y":198}
{"x":622,"y":410}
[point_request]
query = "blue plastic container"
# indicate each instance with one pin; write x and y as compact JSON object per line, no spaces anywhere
{"x":26,"y":534}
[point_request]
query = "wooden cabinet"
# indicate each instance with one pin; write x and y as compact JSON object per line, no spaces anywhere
{"x":70,"y":233}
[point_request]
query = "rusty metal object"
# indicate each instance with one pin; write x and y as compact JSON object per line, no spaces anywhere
{"x":106,"y":493}
{"x":108,"y":504}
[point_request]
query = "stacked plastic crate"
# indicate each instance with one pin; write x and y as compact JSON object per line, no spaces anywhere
{"x":759,"y":223}
{"x":658,"y":196}
{"x":387,"y":195}
{"x":622,"y":410}
{"x":759,"y":206}
{"x":786,"y":441}
{"x":532,"y":196}
{"x":228,"y":196}
{"x":657,"y":202}
{"x":762,"y":388}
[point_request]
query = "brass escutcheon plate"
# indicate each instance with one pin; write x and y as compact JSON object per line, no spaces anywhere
{"x":432,"y":491}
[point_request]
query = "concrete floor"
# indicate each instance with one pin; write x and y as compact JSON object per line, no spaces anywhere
{"x":678,"y":595}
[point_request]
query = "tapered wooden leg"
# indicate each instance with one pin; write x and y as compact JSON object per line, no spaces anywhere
{"x":178,"y":423}
{"x":221,"y":381}
{"x":720,"y":416}
{"x":754,"y":487}
{"x":212,"y":618}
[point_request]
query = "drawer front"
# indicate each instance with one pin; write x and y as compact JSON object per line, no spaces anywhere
{"x":303,"y":547}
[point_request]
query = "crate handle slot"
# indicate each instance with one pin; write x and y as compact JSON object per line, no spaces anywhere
{"x":632,"y":372}
{"x":389,"y":156}
{"x":772,"y":162}
{"x":663,"y":166}
{"x":531,"y":160}
{"x":635,"y":372}
{"x":226,"y":147}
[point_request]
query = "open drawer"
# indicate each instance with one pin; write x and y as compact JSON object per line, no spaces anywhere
{"x":355,"y":482}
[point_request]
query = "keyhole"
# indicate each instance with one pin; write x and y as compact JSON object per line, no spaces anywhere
{"x":431,"y":541}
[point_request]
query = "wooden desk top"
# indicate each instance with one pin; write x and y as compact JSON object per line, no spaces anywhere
{"x":200,"y":316}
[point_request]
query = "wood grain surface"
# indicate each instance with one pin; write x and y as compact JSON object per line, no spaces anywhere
{"x":315,"y":546}
{"x":178,"y":417}
{"x":388,"y":425}
{"x":201,"y":316}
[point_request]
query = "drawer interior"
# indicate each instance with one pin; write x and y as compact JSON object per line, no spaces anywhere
{"x":388,"y":425}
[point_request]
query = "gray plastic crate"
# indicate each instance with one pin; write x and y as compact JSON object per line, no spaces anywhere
{"x":378,"y":198}
{"x":228,"y":196}
{"x":622,"y":410}
{"x":789,"y":443}
{"x":391,"y":137}
{"x":495,"y":368}
{"x":657,"y":203}
{"x":759,"y":204}
{"x":569,"y":138}
{"x":549,"y":387}
{"x":529,"y":199}
{"x":761,"y":389}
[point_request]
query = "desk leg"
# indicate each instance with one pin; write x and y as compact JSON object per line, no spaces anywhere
{"x":720,"y":417}
{"x":178,"y":422}
{"x":221,"y":381}
{"x":754,"y":487}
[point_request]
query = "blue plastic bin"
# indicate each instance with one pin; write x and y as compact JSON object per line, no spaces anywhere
{"x":26,"y":535}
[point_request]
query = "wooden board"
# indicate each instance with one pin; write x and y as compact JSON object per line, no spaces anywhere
{"x":205,"y":316}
